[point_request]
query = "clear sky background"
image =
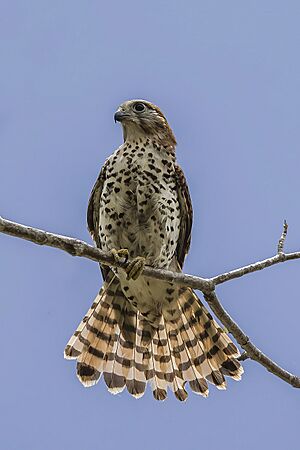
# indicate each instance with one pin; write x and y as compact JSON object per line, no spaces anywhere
{"x":227,"y":76}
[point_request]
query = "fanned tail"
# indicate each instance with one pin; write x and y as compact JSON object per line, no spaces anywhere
{"x":116,"y":340}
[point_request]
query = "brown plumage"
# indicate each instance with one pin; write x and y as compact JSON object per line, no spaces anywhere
{"x":144,"y":330}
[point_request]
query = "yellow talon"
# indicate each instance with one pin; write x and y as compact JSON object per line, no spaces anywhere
{"x":135,"y":268}
{"x":120,"y":254}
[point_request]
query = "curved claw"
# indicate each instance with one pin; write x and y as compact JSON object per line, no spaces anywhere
{"x":120,"y":255}
{"x":135,"y":268}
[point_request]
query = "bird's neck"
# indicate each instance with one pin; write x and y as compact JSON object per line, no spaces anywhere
{"x":160,"y":137}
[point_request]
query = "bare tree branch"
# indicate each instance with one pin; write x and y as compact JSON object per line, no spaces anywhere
{"x":282,"y":239}
{"x":76,"y":247}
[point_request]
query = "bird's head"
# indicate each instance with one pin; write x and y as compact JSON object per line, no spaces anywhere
{"x":142,"y":119}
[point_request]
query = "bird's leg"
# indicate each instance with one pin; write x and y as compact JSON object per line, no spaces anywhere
{"x":120,"y":255}
{"x":135,"y":267}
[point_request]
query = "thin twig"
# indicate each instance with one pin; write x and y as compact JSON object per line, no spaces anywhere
{"x":76,"y":247}
{"x":282,"y":239}
{"x":254,"y":267}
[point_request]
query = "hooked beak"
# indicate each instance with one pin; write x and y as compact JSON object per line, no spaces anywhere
{"x":119,"y":116}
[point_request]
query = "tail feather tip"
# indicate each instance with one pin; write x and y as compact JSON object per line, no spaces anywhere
{"x":70,"y":352}
{"x":115,"y":390}
{"x":87,"y":375}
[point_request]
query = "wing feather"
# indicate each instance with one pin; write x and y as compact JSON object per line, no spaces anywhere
{"x":93,"y":216}
{"x":186,"y":212}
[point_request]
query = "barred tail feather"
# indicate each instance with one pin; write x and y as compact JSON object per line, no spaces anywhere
{"x":157,"y":376}
{"x":195,"y":355}
{"x":102,"y":334}
{"x":173,"y":375}
{"x":96,"y":335}
{"x":113,"y":373}
{"x":218,"y":352}
{"x":132,"y":360}
{"x":177,"y":361}
{"x":77,"y":342}
{"x":164,"y":367}
{"x":107,"y":341}
{"x":118,"y":341}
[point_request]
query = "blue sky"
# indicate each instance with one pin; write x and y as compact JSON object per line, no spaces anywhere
{"x":227,"y":76}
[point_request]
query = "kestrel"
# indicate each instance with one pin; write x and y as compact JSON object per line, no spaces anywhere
{"x":140,"y":329}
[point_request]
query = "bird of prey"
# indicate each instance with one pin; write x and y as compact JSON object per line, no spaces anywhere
{"x":142,"y":330}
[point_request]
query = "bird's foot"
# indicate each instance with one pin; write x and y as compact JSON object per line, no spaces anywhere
{"x":135,"y":268}
{"x":120,"y":255}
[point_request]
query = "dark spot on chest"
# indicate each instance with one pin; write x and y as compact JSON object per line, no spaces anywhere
{"x":151,"y":175}
{"x":127,"y":181}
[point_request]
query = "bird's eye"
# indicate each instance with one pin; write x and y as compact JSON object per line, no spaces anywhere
{"x":139,"y":107}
